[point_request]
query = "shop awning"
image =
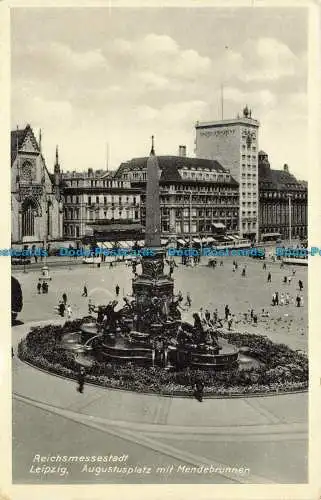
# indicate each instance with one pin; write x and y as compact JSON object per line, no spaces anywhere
{"x":107,"y":244}
{"x":122,"y":244}
{"x":181,"y":241}
{"x":197,"y":240}
{"x":210,"y":239}
{"x":218,"y":225}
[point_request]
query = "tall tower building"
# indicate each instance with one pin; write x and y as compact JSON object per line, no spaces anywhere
{"x":234,"y":144}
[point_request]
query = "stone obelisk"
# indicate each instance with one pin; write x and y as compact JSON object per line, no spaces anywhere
{"x":152,"y":283}
{"x":152,"y":226}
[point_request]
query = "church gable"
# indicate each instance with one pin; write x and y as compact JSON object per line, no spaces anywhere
{"x":30,"y":144}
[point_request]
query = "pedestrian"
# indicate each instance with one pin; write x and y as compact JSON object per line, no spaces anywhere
{"x":243,"y":272}
{"x":236,"y":265}
{"x":61,"y":309}
{"x":117,"y":290}
{"x":227,"y":312}
{"x":221,"y":263}
{"x":285,"y":279}
{"x":289,"y":280}
{"x":64,"y":298}
{"x":201,"y":314}
{"x":287,"y":299}
{"x":276,"y":298}
{"x":264,"y":266}
{"x":36,"y":259}
{"x":207,"y":315}
{"x":300,"y":285}
{"x":44,"y":288}
{"x":273,"y":299}
{"x":69,"y":311}
{"x":199,"y":388}
{"x":269,"y":278}
{"x":282,"y":299}
{"x":39,"y":287}
{"x":293,"y":272}
{"x":255,"y":319}
{"x":301,"y":301}
{"x":81,"y":380}
{"x":298,"y":301}
{"x":85,"y":292}
{"x":229,"y":323}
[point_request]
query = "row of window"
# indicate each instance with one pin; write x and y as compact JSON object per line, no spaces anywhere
{"x":102,"y":199}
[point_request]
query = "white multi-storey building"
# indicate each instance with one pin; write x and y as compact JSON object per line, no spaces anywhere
{"x":234,"y":144}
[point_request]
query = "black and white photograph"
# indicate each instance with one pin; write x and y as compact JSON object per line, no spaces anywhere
{"x":159,"y":245}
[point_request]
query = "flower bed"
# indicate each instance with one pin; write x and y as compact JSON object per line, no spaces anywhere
{"x":281,"y":369}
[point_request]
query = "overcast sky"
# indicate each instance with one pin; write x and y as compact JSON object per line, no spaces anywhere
{"x":88,"y":76}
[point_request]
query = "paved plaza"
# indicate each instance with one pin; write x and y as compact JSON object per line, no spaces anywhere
{"x":266,"y":435}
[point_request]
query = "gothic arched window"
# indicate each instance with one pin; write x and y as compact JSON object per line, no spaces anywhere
{"x":29,"y":209}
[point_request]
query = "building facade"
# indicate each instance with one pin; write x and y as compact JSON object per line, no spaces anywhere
{"x":234,"y":144}
{"x":194,"y":193}
{"x":95,"y":198}
{"x":36,"y":198}
{"x":280,"y":192}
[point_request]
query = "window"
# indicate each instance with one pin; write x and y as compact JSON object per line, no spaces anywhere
{"x":105,"y":200}
{"x":97,"y":199}
{"x":89,"y":200}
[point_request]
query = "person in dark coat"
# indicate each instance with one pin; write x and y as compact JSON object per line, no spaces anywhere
{"x":39,"y":287}
{"x":269,"y":278}
{"x":64,"y":298}
{"x":300,"y":285}
{"x":62,"y":308}
{"x":199,"y":388}
{"x":85,"y":292}
{"x":227,"y":312}
{"x":44,"y":287}
{"x":276,"y":298}
{"x":81,"y":380}
{"x":117,"y":290}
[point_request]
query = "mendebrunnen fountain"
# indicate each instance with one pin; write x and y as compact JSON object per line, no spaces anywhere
{"x":149,"y":330}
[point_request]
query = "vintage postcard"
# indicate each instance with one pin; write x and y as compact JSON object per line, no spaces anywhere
{"x":164,"y":246}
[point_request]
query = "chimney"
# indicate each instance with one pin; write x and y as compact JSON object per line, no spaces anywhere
{"x":182,"y":151}
{"x":286,"y":167}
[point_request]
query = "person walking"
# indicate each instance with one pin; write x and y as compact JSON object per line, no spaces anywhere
{"x":287,"y":298}
{"x":252,"y":314}
{"x":39,"y":287}
{"x":69,"y":311}
{"x":207,"y":315}
{"x":243,"y":272}
{"x":298,"y":301}
{"x":61,"y":309}
{"x":85,"y":292}
{"x":188,"y":299}
{"x":273,"y":299}
{"x":269,"y":278}
{"x":81,"y":380}
{"x":44,"y":287}
{"x":117,"y":290}
{"x":227,"y":312}
{"x":199,"y":388}
{"x":229,"y":323}
{"x":300,"y":285}
{"x":276,"y":298}
{"x":64,"y":298}
{"x":264,"y":266}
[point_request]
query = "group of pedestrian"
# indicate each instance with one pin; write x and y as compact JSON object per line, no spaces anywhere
{"x":42,"y":287}
{"x":63,"y":307}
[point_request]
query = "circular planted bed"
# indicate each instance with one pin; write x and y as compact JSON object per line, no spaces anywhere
{"x":278,"y":368}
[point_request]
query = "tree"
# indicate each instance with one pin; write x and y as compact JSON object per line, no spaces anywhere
{"x":16,"y":298}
